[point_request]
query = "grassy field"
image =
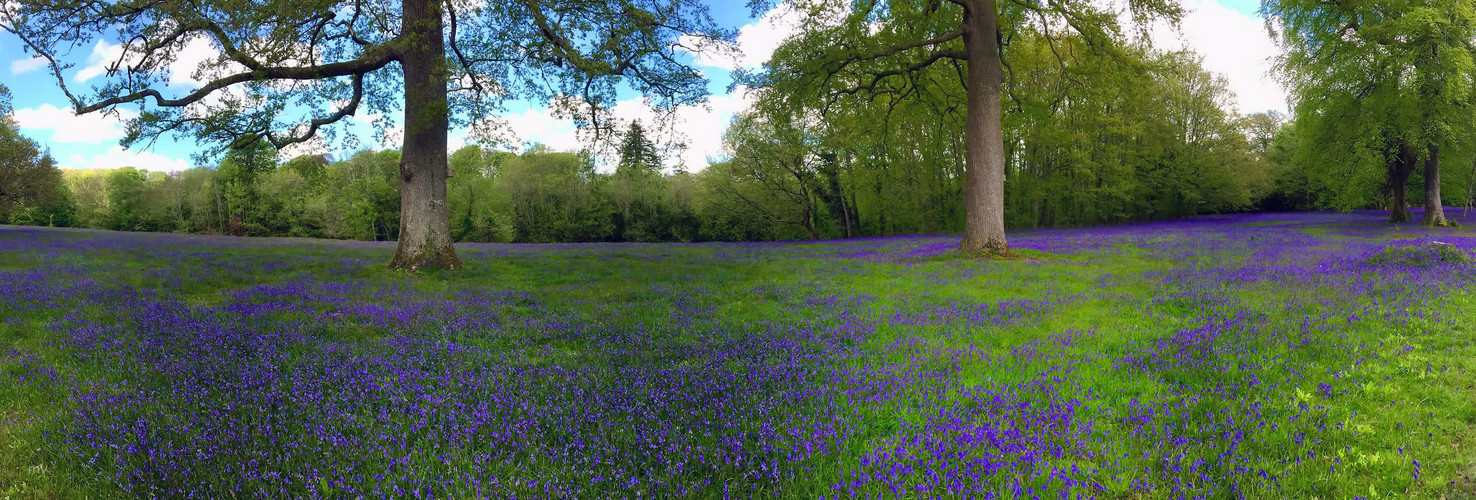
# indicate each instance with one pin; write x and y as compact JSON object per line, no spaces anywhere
{"x":1321,"y":355}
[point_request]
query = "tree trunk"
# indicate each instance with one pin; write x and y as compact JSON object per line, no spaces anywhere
{"x":846,"y":215}
{"x":1398,"y":213}
{"x":1398,"y":180}
{"x":1434,"y":205}
{"x":425,"y":228}
{"x":983,"y":136}
{"x":810,"y":225}
{"x":1470,"y":189}
{"x":855,"y":211}
{"x":883,"y":224}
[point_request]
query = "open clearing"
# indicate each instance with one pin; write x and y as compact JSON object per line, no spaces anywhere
{"x":1266,"y":355}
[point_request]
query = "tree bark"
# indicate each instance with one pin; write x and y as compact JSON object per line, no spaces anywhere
{"x":1434,"y":205}
{"x":1398,"y":213}
{"x":1398,"y":180}
{"x":855,"y":211}
{"x":846,"y":215}
{"x":1470,"y":189}
{"x":983,"y":136}
{"x":425,"y":228}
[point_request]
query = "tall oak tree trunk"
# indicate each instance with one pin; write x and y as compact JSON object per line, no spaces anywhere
{"x":983,"y":137}
{"x":425,"y":229}
{"x":1434,"y":206}
{"x":1398,"y":183}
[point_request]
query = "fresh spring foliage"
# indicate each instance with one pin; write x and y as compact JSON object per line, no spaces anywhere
{"x":275,"y":64}
{"x":1094,"y":141}
{"x":1088,"y":139}
{"x":1255,"y":356}
{"x":1381,"y":88}
{"x":853,"y":54}
{"x":271,"y":66}
{"x":31,"y":188}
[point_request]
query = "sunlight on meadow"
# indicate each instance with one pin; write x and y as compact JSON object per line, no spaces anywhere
{"x":1254,"y":356}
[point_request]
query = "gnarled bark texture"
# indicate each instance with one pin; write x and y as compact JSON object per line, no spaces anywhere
{"x":425,"y":227}
{"x":1434,"y":206}
{"x":983,"y":136}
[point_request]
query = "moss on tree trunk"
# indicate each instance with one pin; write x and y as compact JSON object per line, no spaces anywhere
{"x":425,"y":227}
{"x":984,"y":232}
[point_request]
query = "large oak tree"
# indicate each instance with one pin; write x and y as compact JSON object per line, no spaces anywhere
{"x":853,"y":48}
{"x":287,"y":71}
{"x":1382,"y":86}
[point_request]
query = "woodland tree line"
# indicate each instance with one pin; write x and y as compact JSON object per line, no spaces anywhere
{"x":1096,"y":129}
{"x":1088,"y":142}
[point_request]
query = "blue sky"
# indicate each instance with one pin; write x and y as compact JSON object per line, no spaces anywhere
{"x":1227,"y":32}
{"x":1247,"y":7}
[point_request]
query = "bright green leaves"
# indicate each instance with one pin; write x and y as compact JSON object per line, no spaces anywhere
{"x":1372,"y":78}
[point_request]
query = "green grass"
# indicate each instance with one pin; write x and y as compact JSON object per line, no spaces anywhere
{"x":1410,"y":378}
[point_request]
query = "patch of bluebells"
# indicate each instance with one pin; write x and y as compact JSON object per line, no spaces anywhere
{"x":319,"y":383}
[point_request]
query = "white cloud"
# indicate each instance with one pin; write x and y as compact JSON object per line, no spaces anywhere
{"x":755,"y":42}
{"x":314,"y":146}
{"x":1232,"y":44}
{"x":103,"y":55}
{"x":197,"y":51}
{"x":360,"y":116}
{"x":541,"y":126}
{"x":22,"y":66}
{"x":67,"y":127}
{"x":117,"y":157}
{"x":698,"y":128}
{"x":393,"y":137}
{"x":196,"y":61}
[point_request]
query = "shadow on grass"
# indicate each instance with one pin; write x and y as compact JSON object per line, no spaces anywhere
{"x":1018,"y":254}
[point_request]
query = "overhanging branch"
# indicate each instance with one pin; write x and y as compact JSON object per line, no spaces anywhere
{"x":372,"y":60}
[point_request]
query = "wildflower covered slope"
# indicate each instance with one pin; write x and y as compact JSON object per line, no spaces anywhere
{"x":1278,"y":355}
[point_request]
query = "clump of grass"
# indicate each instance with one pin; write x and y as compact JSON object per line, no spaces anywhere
{"x":1426,"y":255}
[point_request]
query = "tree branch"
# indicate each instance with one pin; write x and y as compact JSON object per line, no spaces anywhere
{"x":372,"y":60}
{"x":313,"y":126}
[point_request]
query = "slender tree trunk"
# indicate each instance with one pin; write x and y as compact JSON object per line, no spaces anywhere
{"x":811,"y":216}
{"x":1434,"y":205}
{"x":846,"y":215}
{"x":1398,"y":182}
{"x":855,"y":211}
{"x":809,"y":223}
{"x":425,"y":228}
{"x":983,"y":135}
{"x":1470,"y":189}
{"x":883,"y":224}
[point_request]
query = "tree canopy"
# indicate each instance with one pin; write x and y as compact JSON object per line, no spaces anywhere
{"x":875,"y":119}
{"x":277,"y":63}
{"x":868,"y":50}
{"x":31,"y":188}
{"x":1381,"y":86}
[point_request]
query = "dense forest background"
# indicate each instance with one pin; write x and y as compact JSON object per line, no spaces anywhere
{"x":1140,"y":135}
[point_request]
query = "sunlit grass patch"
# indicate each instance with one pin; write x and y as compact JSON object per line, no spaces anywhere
{"x":1213,"y":358}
